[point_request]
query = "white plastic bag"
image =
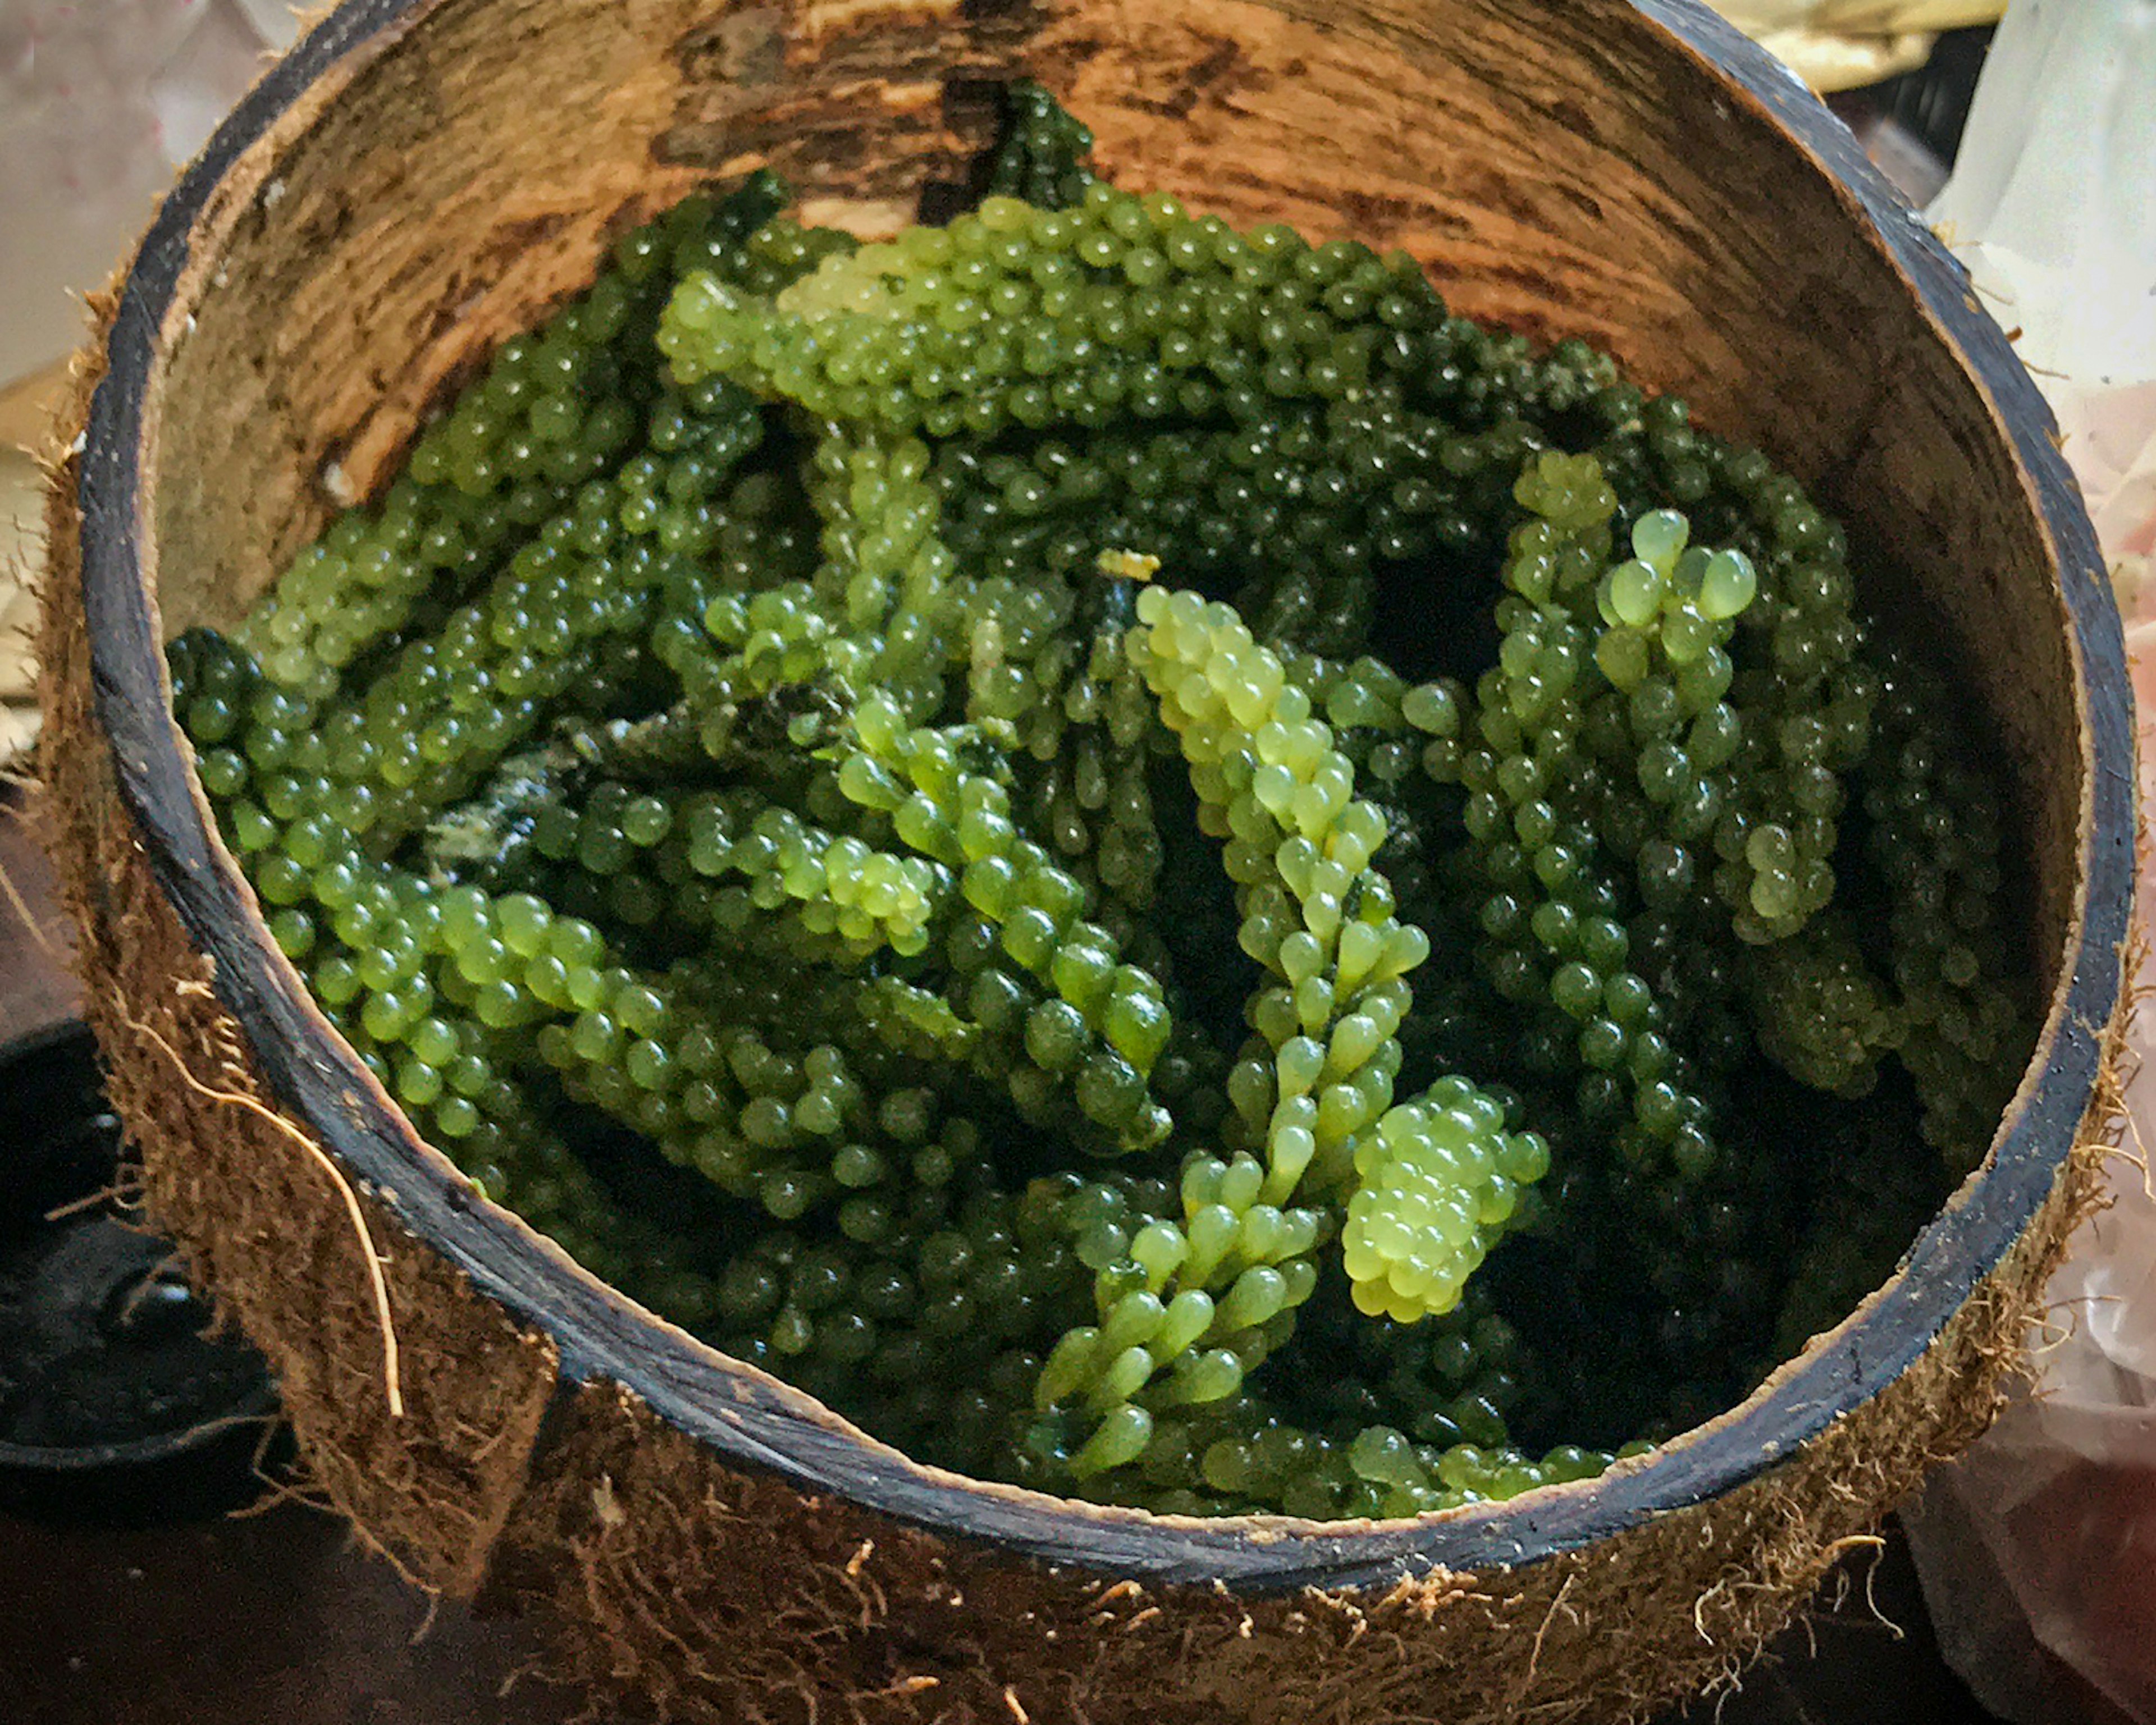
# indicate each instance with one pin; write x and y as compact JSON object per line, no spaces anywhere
{"x":2037,"y":1549}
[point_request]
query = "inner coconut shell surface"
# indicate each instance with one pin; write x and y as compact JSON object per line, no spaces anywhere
{"x":417,"y":182}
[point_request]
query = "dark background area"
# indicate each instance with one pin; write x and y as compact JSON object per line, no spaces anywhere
{"x":276,"y":1617}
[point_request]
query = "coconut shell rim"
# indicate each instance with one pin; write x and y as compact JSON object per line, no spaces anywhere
{"x":748,"y":1417}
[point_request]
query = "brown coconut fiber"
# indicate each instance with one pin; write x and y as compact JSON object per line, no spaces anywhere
{"x":443,"y":182}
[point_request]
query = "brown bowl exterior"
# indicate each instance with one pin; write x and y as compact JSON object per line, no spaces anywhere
{"x":421,"y":177}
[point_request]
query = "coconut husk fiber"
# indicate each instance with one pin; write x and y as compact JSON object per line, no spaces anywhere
{"x":420,"y":180}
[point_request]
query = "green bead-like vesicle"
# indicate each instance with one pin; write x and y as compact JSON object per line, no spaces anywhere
{"x":653,"y":1051}
{"x":1293,"y":506}
{"x":1039,"y":974}
{"x":738,"y":791}
{"x":554,"y":412}
{"x":1800,"y":671}
{"x":1438,"y":1181}
{"x":702,"y":866}
{"x":1821,"y":1011}
{"x":445,"y":708}
{"x":1046,"y":156}
{"x":1236,"y":1263}
{"x":1016,"y":316}
{"x":1298,"y":845}
{"x":1567,"y":777}
{"x":880,"y":611}
{"x":1935,"y":837}
{"x":1047,"y":663}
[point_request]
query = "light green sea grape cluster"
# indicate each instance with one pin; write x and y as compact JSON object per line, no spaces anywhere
{"x":1157,"y":867}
